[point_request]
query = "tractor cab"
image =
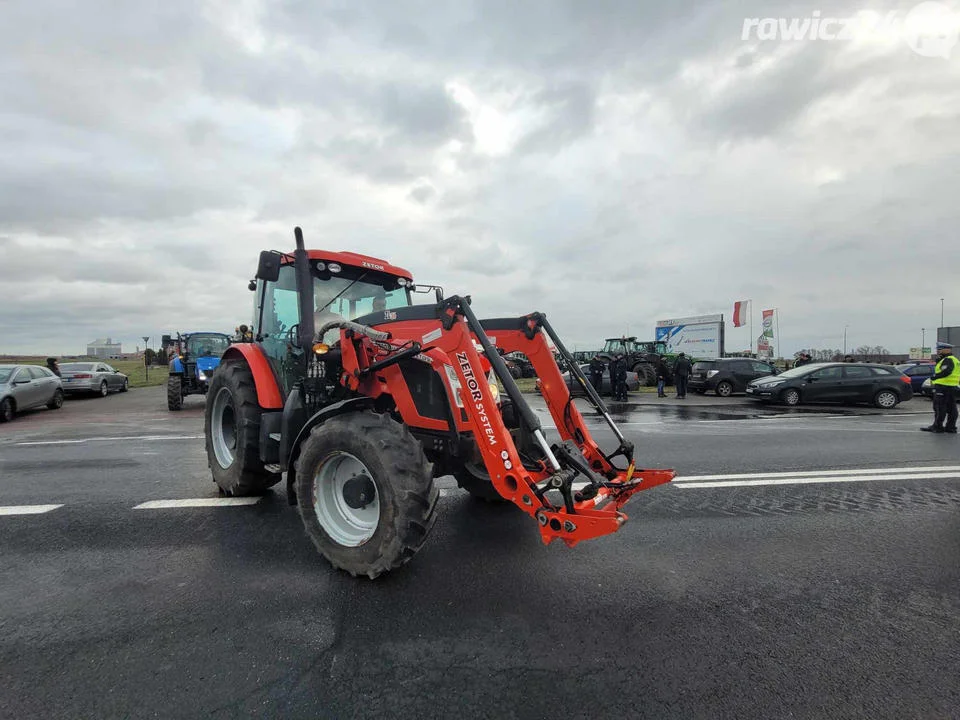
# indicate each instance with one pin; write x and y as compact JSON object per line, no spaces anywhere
{"x":334,"y":286}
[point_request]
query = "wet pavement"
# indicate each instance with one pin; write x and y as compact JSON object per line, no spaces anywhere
{"x":803,"y":564}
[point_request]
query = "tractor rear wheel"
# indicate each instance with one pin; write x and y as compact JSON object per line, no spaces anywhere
{"x":365,"y":492}
{"x":232,"y":432}
{"x":646,"y":374}
{"x":174,"y":392}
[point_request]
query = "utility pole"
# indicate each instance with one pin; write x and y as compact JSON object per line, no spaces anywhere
{"x":941,"y":312}
{"x":923,"y":341}
{"x":845,"y":340}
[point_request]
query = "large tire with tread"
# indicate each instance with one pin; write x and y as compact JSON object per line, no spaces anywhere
{"x":232,"y":432}
{"x":393,"y":472}
{"x":646,"y":374}
{"x":174,"y":393}
{"x":472,"y":475}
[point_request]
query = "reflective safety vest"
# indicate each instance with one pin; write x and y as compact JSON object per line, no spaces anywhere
{"x":953,"y":379}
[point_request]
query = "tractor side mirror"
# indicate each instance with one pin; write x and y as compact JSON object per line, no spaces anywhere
{"x":439,"y":292}
{"x":268,"y":268}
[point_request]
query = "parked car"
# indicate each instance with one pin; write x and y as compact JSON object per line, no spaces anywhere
{"x":92,"y":377}
{"x":23,"y":387}
{"x":917,"y":372}
{"x":633,"y":382}
{"x":927,"y":388}
{"x":882,"y":385}
{"x":726,"y":376}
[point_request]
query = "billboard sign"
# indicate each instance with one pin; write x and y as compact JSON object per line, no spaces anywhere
{"x":700,"y":336}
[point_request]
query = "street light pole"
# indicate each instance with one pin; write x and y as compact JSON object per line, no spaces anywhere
{"x":923,"y":340}
{"x":845,"y":340}
{"x":941,"y":312}
{"x":146,"y":366}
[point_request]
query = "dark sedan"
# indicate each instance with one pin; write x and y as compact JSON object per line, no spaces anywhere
{"x":917,"y":372}
{"x":882,"y":385}
{"x":633,"y":382}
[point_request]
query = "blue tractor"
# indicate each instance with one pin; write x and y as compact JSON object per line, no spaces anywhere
{"x":193,"y":360}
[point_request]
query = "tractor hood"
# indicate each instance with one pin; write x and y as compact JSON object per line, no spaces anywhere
{"x":207,"y":365}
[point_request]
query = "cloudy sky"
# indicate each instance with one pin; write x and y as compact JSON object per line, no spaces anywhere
{"x":610,"y":163}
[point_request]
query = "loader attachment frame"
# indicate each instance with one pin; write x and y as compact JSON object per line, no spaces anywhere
{"x":542,"y":487}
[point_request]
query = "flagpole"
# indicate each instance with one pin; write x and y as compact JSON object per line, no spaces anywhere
{"x":776,"y":311}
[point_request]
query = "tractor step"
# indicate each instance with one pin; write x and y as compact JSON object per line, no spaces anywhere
{"x":275,"y":436}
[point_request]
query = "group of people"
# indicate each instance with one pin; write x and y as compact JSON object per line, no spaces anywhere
{"x":618,"y":375}
{"x":946,"y":385}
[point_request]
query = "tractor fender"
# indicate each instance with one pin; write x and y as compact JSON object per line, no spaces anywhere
{"x":340,"y":408}
{"x":268,"y":388}
{"x":176,"y":366}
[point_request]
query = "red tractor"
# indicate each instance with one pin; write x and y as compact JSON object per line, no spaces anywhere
{"x":362,"y":398}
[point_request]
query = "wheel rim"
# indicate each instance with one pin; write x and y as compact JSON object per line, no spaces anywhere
{"x":224,"y":428}
{"x":103,"y":388}
{"x":724,"y":389}
{"x":6,"y":410}
{"x":886,"y":400}
{"x":58,"y":399}
{"x":792,"y":397}
{"x":339,"y":484}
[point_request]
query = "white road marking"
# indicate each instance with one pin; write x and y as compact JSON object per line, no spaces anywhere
{"x":197,"y":502}
{"x":815,"y":480}
{"x":148,"y":438}
{"x":817,"y":473}
{"x":27,"y":509}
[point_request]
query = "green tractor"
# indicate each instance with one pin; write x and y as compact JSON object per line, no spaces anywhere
{"x":642,"y":357}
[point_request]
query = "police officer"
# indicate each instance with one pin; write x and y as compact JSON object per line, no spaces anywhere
{"x":618,"y":377}
{"x":596,"y":372}
{"x":945,"y":381}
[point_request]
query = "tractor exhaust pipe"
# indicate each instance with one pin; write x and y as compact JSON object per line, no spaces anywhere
{"x":304,"y":293}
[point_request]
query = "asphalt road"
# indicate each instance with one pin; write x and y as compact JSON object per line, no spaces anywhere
{"x":802,"y":565}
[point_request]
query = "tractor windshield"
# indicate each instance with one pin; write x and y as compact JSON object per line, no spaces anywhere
{"x":207,"y":345}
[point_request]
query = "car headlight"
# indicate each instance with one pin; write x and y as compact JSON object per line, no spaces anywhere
{"x":772,"y":383}
{"x":711,"y":373}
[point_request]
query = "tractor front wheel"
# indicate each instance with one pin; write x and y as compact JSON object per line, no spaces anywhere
{"x":174,"y":392}
{"x":232,"y":432}
{"x":366,"y":492}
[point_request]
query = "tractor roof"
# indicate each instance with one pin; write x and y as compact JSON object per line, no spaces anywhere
{"x":353,"y":259}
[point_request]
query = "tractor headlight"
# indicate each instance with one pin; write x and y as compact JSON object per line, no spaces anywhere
{"x":201,"y":375}
{"x":494,"y":386}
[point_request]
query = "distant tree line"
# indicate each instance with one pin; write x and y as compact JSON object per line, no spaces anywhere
{"x":864,"y":353}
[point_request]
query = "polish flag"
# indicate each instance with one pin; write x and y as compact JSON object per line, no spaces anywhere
{"x":740,"y":313}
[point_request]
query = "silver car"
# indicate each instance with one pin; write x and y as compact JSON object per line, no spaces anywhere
{"x":92,"y":377}
{"x":27,"y":386}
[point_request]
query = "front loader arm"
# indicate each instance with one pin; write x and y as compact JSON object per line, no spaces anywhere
{"x":544,"y":489}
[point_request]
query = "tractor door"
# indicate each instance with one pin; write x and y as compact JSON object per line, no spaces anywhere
{"x":280,"y":317}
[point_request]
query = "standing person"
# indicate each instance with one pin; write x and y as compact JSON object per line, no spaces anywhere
{"x":596,"y":372}
{"x":621,"y":378}
{"x":681,"y":372}
{"x":945,"y":381}
{"x":53,"y":366}
{"x":661,"y":378}
{"x":804,"y":359}
{"x":615,"y":365}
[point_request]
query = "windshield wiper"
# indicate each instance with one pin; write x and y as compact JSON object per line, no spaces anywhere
{"x":339,"y":294}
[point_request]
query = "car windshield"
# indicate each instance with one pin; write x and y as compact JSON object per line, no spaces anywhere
{"x":76,"y":366}
{"x":204,"y":345}
{"x":5,"y":373}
